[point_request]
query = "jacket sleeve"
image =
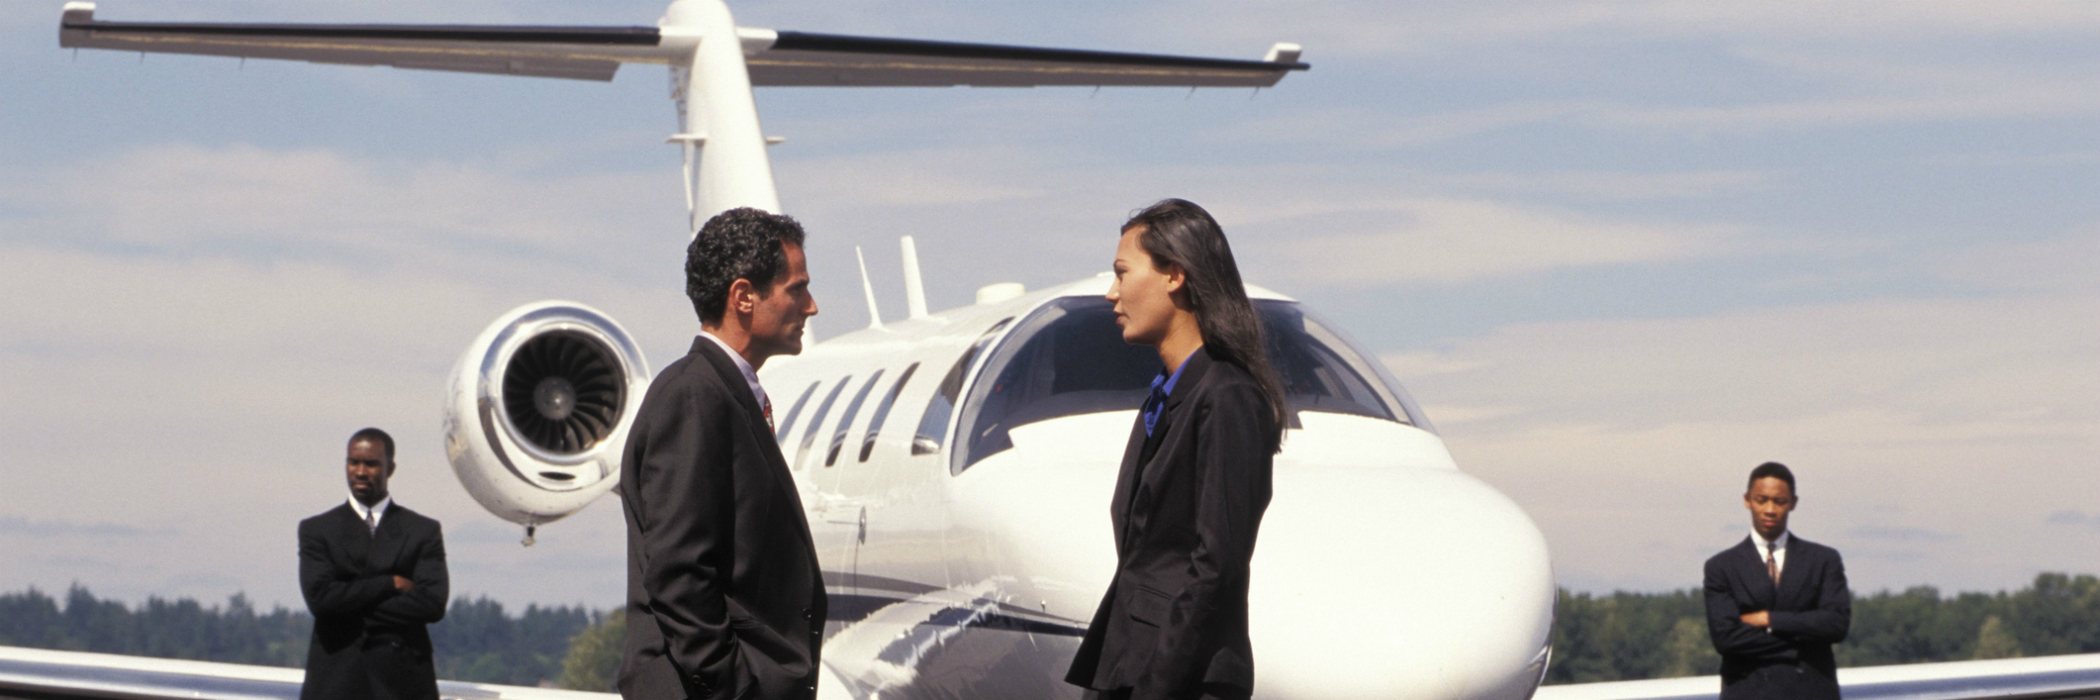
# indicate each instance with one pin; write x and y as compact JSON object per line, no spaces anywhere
{"x":1234,"y":458}
{"x":1724,"y":620}
{"x":686,"y":515}
{"x":425,"y":603}
{"x":331,"y":591}
{"x":1831,"y":620}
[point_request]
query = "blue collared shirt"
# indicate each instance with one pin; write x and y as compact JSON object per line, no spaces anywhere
{"x":1162,"y":387}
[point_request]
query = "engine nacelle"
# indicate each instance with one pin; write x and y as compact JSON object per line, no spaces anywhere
{"x":538,"y":408}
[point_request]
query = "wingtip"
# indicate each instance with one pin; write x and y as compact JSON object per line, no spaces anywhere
{"x":1284,"y":52}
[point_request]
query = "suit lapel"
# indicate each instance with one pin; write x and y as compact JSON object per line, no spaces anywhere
{"x":1191,"y":380}
{"x":1119,"y":504}
{"x":733,"y":377}
{"x":1758,"y":581}
{"x":355,"y":540}
{"x":386,"y":543}
{"x":1791,"y":575}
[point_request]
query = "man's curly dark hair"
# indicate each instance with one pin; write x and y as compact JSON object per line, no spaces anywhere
{"x":742,"y":243}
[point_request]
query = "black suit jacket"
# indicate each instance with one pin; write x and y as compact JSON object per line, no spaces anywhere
{"x":370,"y":640}
{"x":1185,"y":511}
{"x":724,"y":595}
{"x":1810,"y":610}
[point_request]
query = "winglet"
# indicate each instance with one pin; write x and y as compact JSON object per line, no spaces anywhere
{"x":73,"y":22}
{"x":1284,"y":52}
{"x":77,"y":11}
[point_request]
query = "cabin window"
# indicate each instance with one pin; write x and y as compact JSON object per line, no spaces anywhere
{"x":882,"y":412}
{"x":933,"y":426}
{"x":780,"y":434}
{"x":1321,"y":371}
{"x":1068,"y":358}
{"x":816,"y":422}
{"x":838,"y":439}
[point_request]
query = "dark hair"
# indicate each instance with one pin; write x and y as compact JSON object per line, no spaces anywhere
{"x":739,"y":244}
{"x":375,"y":435}
{"x":1181,"y":234}
{"x":1773,"y":470}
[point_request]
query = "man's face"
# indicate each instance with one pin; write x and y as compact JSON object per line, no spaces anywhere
{"x":777,"y":316}
{"x":368,"y":470}
{"x":1143,"y":294}
{"x":1770,"y":500}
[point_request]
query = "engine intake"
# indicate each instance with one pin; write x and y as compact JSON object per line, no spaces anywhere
{"x":538,"y":410}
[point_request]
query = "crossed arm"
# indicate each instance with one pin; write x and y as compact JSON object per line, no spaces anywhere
{"x":383,"y":598}
{"x":1739,"y":633}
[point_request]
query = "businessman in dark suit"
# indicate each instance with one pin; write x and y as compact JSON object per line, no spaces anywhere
{"x":1775,"y":603}
{"x":373,"y":573}
{"x":724,"y":596}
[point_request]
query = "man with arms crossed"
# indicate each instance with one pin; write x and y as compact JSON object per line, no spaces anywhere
{"x":1775,"y":603}
{"x":725,"y":600}
{"x":374,"y":576}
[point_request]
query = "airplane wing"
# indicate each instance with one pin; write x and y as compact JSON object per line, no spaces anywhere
{"x":775,"y":58}
{"x":40,"y":673}
{"x":2071,"y":676}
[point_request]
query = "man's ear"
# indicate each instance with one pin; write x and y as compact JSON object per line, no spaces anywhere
{"x":743,"y":297}
{"x":390,"y":469}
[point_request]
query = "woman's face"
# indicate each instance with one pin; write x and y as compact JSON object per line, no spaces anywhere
{"x":1143,"y":294}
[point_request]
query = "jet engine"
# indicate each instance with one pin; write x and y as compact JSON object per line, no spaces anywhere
{"x":538,"y":409}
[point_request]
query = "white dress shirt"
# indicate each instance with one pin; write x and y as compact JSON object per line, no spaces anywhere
{"x":373,"y":514}
{"x":1774,"y":550}
{"x":750,"y":375}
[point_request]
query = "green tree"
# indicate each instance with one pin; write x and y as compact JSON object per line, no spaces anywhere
{"x":1993,"y":641}
{"x":1690,"y":650}
{"x":593,"y":661}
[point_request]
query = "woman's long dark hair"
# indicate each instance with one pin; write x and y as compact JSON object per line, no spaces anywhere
{"x":1179,"y":233}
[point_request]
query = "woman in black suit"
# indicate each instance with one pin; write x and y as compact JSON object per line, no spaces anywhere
{"x":1196,"y":474}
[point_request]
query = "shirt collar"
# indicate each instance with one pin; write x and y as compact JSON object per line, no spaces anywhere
{"x":1763,"y":548}
{"x":379,"y":508}
{"x":750,"y":375}
{"x":1165,"y":382}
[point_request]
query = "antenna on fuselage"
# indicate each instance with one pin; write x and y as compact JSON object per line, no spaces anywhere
{"x":914,"y":286}
{"x":868,"y":288}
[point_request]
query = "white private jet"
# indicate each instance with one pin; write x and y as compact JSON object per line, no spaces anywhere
{"x":956,"y":466}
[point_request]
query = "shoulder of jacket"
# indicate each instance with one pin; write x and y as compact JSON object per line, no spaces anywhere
{"x":1721,"y":558}
{"x":410,"y":515}
{"x":1819,"y":549}
{"x":689,"y":375}
{"x":320,"y":518}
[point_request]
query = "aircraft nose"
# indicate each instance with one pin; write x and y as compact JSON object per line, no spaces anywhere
{"x":1396,"y":581}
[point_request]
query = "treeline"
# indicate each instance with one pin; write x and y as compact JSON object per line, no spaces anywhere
{"x":1630,"y":636}
{"x":477,"y":641}
{"x":1621,"y":636}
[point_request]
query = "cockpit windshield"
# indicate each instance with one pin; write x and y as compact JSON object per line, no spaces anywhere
{"x":1068,"y":358}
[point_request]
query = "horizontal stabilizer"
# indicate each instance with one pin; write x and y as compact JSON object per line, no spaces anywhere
{"x":798,"y":58}
{"x":583,"y":53}
{"x":773,"y":58}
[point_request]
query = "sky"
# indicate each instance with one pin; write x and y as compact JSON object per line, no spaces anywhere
{"x":1622,"y":252}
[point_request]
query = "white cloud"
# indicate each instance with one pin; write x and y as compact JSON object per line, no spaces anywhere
{"x":1447,"y":241}
{"x":1627,"y":439}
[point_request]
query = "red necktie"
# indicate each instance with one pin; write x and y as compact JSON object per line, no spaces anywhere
{"x":1772,"y":567}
